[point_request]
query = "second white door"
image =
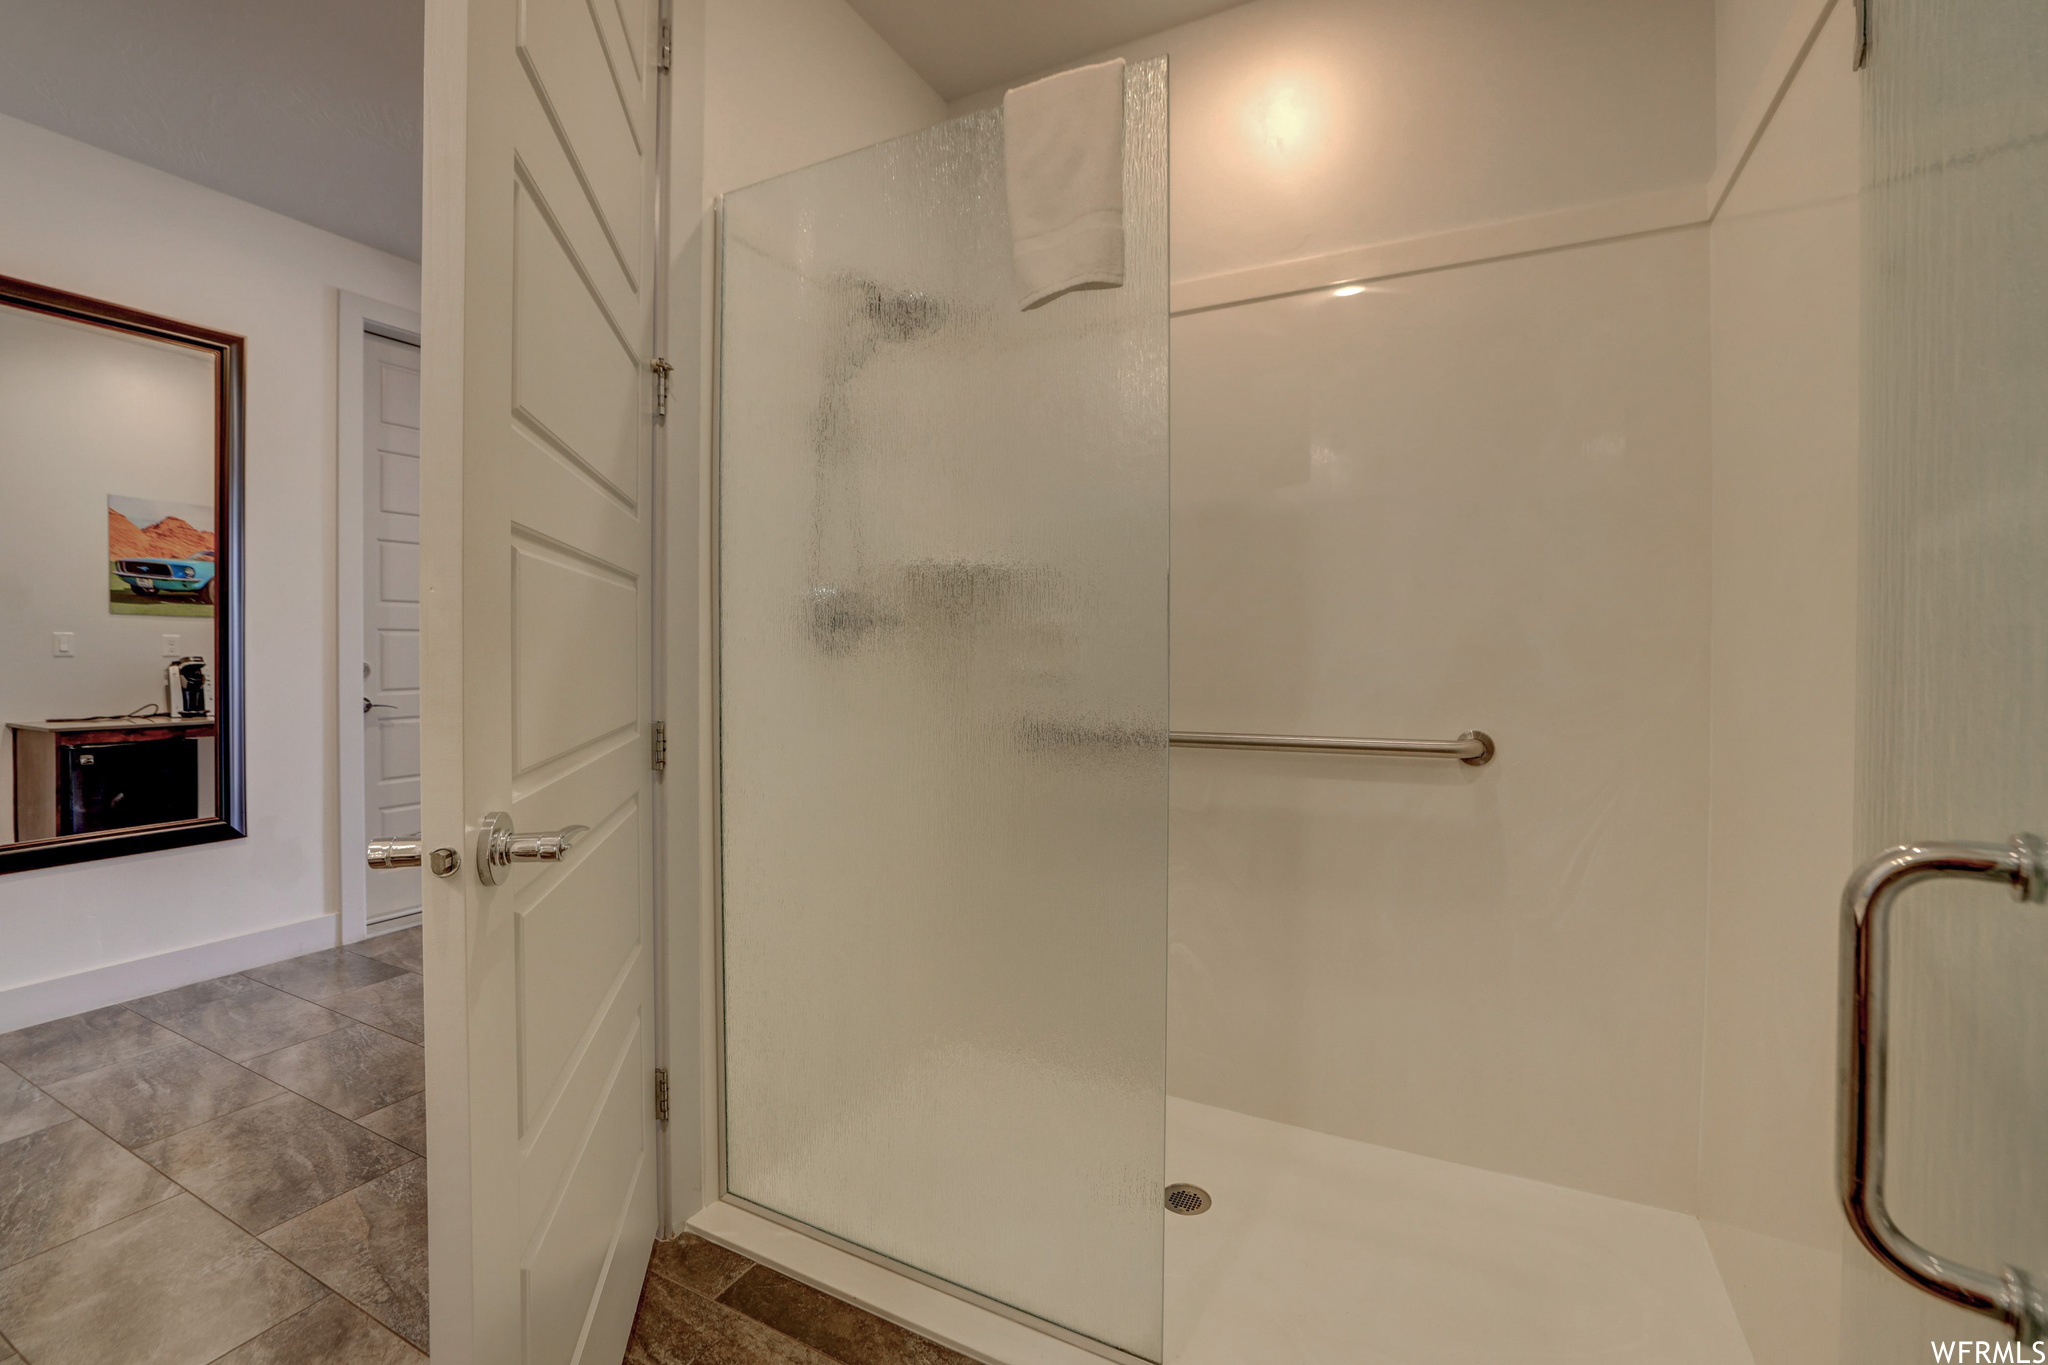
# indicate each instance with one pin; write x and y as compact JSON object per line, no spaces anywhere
{"x":391,"y":614}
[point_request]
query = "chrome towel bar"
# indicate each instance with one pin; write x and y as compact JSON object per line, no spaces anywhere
{"x":1474,"y":746}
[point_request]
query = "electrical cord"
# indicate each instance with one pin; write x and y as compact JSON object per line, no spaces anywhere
{"x":147,"y":711}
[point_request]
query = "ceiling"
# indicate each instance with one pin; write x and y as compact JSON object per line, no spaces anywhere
{"x":311,"y":108}
{"x":307,"y":107}
{"x":964,"y":46}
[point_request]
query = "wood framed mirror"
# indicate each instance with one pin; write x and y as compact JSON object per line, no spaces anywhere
{"x":120,"y":580}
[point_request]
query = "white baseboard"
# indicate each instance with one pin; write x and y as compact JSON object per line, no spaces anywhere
{"x":39,"y":1002}
{"x":954,"y":1322}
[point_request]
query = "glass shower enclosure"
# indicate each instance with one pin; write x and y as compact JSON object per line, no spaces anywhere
{"x":1953,"y":735}
{"x":942,"y":673}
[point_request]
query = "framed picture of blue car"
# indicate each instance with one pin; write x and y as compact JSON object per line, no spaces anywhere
{"x":162,"y":557}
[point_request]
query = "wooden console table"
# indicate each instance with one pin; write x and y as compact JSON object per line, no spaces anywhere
{"x":85,"y":776}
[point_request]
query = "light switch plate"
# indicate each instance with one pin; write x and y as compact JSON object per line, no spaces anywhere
{"x":171,"y":650}
{"x":60,"y":644}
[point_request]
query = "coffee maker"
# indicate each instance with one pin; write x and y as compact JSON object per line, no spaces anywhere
{"x":188,"y":688}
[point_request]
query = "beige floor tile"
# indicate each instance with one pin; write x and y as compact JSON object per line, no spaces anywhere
{"x":176,"y":1284}
{"x":353,"y":1071}
{"x":321,"y":976}
{"x":237,"y":1017}
{"x":331,"y":1332}
{"x":65,"y":1180}
{"x":395,"y":1005}
{"x":65,"y":1047}
{"x":161,"y":1092}
{"x":405,"y":1123}
{"x":371,"y":1246}
{"x":273,"y":1160}
{"x":25,"y":1109}
{"x":402,"y":949}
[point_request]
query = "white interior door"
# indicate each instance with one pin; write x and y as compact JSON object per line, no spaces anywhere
{"x":536,"y":546}
{"x":391,"y":614}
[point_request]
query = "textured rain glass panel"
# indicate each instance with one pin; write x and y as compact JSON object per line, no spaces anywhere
{"x":943,"y":672}
{"x":1954,"y":717}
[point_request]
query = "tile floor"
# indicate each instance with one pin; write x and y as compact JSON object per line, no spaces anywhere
{"x":705,"y":1305}
{"x":233,"y":1173}
{"x":229,"y":1172}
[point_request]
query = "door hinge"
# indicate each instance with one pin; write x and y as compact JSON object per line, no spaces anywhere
{"x":661,"y":746}
{"x":662,"y":370}
{"x":661,"y":1094}
{"x":667,"y":46}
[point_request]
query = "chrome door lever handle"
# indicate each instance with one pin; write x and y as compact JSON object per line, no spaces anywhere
{"x":498,"y":846}
{"x":406,"y":852}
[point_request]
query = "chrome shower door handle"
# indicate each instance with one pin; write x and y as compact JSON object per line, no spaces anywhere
{"x":1867,"y":904}
{"x":498,"y":846}
{"x":406,"y":852}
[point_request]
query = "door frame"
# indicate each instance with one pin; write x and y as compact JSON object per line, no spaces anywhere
{"x":356,"y":318}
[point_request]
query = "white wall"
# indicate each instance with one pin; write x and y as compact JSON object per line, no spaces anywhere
{"x":84,"y":220}
{"x":1747,"y":34}
{"x":1304,"y":127}
{"x":790,"y":82}
{"x":1785,"y":338}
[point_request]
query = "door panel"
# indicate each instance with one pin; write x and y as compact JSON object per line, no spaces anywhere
{"x":572,"y":633}
{"x":538,"y":604}
{"x":575,"y":377}
{"x":606,"y":127}
{"x":604,"y":1215}
{"x":571,"y":962}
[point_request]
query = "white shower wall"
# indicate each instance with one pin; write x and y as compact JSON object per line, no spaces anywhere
{"x":1785,"y":326}
{"x":1473,"y":498}
{"x":1303,"y":127}
{"x":1376,"y":533}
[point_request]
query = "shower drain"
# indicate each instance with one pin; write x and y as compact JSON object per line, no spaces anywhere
{"x":1188,"y":1199}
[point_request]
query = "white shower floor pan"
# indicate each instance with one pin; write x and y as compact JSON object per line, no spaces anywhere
{"x":1324,"y":1251}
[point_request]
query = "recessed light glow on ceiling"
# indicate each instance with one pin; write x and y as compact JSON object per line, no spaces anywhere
{"x":1348,"y":290}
